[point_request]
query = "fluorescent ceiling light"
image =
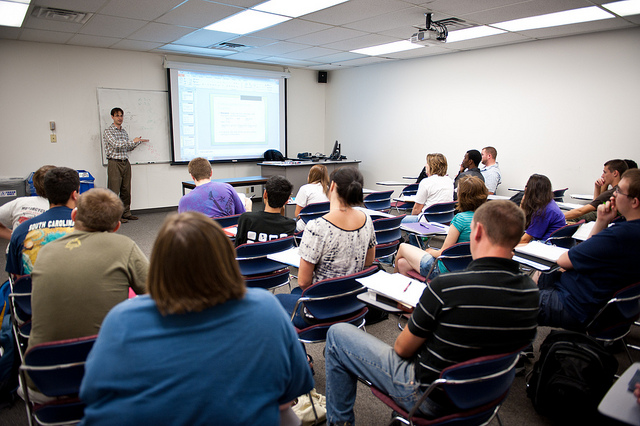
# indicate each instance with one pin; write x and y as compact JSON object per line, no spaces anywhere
{"x":396,"y":46}
{"x":12,"y":13}
{"x":566,"y":17}
{"x":624,"y":8}
{"x":246,"y":22}
{"x":295,"y":8}
{"x":470,"y":33}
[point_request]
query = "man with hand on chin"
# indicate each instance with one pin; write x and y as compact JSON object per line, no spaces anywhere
{"x":117,"y":146}
{"x":595,"y":269}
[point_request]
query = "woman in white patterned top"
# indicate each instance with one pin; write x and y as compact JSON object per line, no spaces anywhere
{"x":339,"y":243}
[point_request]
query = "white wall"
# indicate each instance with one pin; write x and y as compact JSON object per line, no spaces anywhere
{"x":42,"y":82}
{"x":559,"y":107}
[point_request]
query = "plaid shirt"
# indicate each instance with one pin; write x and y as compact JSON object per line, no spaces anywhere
{"x":117,"y":143}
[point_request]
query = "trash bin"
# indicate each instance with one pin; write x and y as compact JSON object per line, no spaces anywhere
{"x":12,"y":188}
{"x":86,"y":180}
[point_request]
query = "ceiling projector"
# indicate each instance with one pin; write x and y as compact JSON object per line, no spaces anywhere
{"x":434,"y":33}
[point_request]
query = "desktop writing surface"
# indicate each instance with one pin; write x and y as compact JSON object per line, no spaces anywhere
{"x":146,"y":114}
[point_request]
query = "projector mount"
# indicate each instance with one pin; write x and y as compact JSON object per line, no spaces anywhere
{"x":437,"y":29}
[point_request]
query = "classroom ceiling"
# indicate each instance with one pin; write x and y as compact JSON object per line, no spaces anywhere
{"x":321,"y":40}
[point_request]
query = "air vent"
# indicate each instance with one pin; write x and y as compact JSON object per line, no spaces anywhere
{"x":235,"y":47}
{"x":62,"y":15}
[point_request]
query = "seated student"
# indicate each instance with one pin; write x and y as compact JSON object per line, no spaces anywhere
{"x":455,"y":321}
{"x":542,"y":213}
{"x":201,"y":348}
{"x":71,"y":301}
{"x":468,"y":167}
{"x":214,"y":199}
{"x":339,"y":243}
{"x":269,"y":224}
{"x":472,"y":194}
{"x":598,"y":267}
{"x":17,"y":211}
{"x":631,"y":164}
{"x":611,"y":175}
{"x":437,"y":187}
{"x":491,"y":169}
{"x":61,"y":185}
{"x":316,"y":191}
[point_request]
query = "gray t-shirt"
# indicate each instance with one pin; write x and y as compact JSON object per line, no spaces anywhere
{"x":336,"y":252}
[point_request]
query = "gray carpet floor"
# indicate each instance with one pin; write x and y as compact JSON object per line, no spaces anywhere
{"x":517,"y":409}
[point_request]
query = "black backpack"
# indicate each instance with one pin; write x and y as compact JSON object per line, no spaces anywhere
{"x":571,"y":377}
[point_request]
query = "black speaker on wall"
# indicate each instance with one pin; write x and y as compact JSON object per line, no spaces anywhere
{"x":322,"y":76}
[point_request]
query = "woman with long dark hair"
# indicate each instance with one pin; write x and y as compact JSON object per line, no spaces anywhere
{"x":541,"y":211}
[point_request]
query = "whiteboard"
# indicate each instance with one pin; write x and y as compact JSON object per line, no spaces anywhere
{"x":146,"y":114}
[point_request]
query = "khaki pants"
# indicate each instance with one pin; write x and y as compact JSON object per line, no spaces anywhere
{"x":119,"y":181}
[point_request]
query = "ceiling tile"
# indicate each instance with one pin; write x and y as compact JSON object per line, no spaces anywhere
{"x":400,"y":18}
{"x":360,"y":42}
{"x":586,"y":27}
{"x":287,"y":61}
{"x":111,"y":26}
{"x":252,"y":41}
{"x":160,"y":33}
{"x":139,"y":9}
{"x":10,"y":33}
{"x":310,"y":53}
{"x":92,"y":40}
{"x":278,"y":48}
{"x":45,"y":36}
{"x":525,"y":9}
{"x":144,"y":46}
{"x":290,"y":29}
{"x":327,"y":36}
{"x":367,"y":60}
{"x":354,"y":10}
{"x":238,"y":3}
{"x":197,"y":13}
{"x":337,"y":57}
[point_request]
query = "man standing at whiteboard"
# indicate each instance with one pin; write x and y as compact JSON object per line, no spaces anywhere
{"x":117,"y":146}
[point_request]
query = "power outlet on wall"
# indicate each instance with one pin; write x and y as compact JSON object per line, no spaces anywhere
{"x":54,"y":139}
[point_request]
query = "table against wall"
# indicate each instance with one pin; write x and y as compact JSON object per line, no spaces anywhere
{"x":297,"y":171}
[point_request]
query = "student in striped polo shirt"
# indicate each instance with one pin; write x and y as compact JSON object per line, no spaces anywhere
{"x":490,"y":308}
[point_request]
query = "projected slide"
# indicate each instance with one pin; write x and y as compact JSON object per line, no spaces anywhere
{"x":225,"y":117}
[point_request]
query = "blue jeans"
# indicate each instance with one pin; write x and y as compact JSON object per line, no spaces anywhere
{"x":553,"y":312}
{"x":352,"y":353}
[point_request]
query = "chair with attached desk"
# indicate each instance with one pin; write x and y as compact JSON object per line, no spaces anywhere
{"x":455,"y":258}
{"x":407,"y":191}
{"x":476,"y":387}
{"x":225,"y":221}
{"x":440,"y":213}
{"x":613,"y":322}
{"x":563,"y":237}
{"x":388,"y":235}
{"x":379,"y":201}
{"x":57,"y":369}
{"x":313,"y":211}
{"x":558,"y":194}
{"x":330,"y":301}
{"x":260,"y":271}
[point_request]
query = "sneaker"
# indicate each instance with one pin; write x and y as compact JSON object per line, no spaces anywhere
{"x":123,"y":220}
{"x":130,"y":217}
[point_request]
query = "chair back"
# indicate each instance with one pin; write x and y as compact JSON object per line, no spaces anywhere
{"x":225,"y":221}
{"x":411,"y":189}
{"x":335,"y":297}
{"x":558,"y":194}
{"x":378,"y":200}
{"x":252,"y":258}
{"x":457,"y":257}
{"x":408,"y":190}
{"x":387,"y":229}
{"x":57,"y":368}
{"x":563,"y":237}
{"x":615,"y":319}
{"x":440,"y":212}
{"x":386,"y":249}
{"x":314,"y":211}
{"x":20,"y":297}
{"x":269,"y":281}
{"x":479,"y":381}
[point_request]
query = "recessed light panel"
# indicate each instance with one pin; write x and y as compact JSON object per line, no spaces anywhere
{"x":383,"y":49}
{"x":247,"y":22}
{"x":566,"y":17}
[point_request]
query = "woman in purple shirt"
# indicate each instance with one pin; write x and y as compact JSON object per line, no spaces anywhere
{"x":542,"y":213}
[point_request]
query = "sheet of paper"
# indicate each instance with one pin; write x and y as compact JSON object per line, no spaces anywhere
{"x":542,"y":251}
{"x":288,"y":257}
{"x":395,"y":286}
{"x":583,"y":231}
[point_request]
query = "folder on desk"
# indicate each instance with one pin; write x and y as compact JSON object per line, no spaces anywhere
{"x":399,"y":288}
{"x":425,"y":228}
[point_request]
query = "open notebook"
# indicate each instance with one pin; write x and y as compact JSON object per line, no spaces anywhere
{"x":397,"y":287}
